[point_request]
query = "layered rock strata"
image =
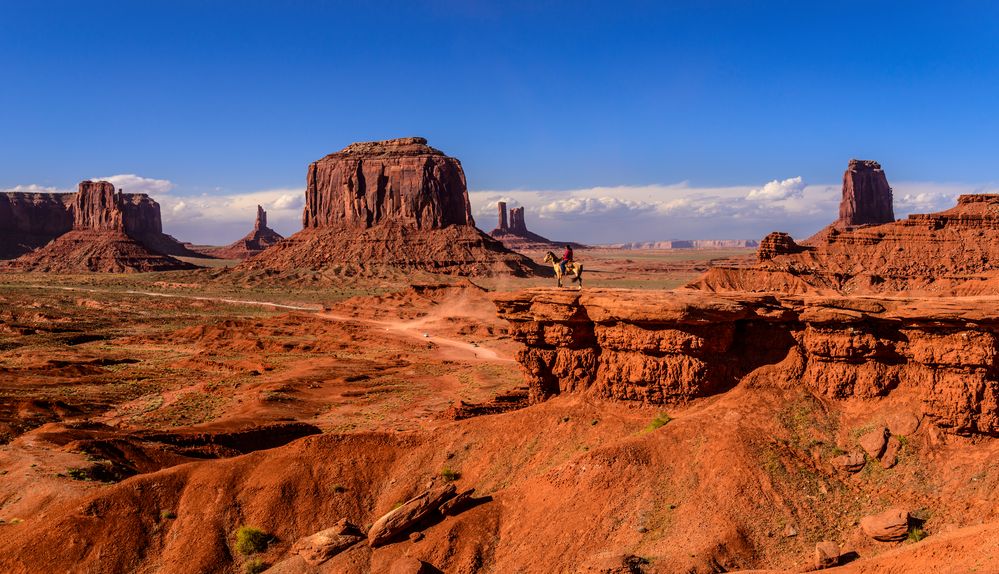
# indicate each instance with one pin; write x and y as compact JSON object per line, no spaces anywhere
{"x":378,"y":206}
{"x":671,"y":347}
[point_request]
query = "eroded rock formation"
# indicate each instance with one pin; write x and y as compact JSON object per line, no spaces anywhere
{"x":110,"y":232}
{"x":401,"y":180}
{"x":867,"y":198}
{"x":392,"y":204}
{"x":515,"y":235}
{"x":259,"y":239}
{"x":776,"y":243}
{"x":954,"y":252}
{"x":671,"y":347}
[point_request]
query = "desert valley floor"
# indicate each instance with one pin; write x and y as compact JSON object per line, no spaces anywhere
{"x":149,"y":419}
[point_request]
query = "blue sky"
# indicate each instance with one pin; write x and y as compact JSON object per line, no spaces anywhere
{"x":224,"y":100}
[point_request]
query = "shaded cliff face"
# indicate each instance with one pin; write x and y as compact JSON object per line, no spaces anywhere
{"x":671,"y":347}
{"x":30,"y":220}
{"x":867,"y":198}
{"x":402,"y":180}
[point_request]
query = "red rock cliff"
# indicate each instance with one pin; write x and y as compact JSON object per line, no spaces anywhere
{"x":867,"y":198}
{"x":671,"y":347}
{"x":30,"y":220}
{"x":402,"y":180}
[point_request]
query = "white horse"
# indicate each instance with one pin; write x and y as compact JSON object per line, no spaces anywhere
{"x":574,"y":268}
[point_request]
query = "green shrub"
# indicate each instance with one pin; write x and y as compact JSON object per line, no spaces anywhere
{"x":250,"y":540}
{"x":338,"y":488}
{"x":167,"y":515}
{"x":449,"y":474}
{"x":254,"y":566}
{"x":661,"y":420}
{"x":916,"y":534}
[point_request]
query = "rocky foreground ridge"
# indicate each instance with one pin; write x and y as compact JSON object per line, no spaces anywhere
{"x":391,"y":204}
{"x":670,"y":347}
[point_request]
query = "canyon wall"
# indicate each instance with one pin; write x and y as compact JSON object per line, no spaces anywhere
{"x":670,"y":347}
{"x":400,"y":180}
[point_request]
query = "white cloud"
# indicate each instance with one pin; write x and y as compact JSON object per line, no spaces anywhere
{"x":131,"y":183}
{"x":791,"y":188}
{"x":35,"y":188}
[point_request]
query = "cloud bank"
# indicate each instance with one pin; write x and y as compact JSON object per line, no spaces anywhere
{"x":589,"y":215}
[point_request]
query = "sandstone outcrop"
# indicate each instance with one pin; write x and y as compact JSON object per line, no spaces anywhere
{"x":398,"y":521}
{"x":826,"y":555}
{"x":376,"y":207}
{"x":867,"y":198}
{"x":671,"y":347}
{"x":954,"y":252}
{"x":515,"y":235}
{"x":775,"y":244}
{"x":110,"y":232}
{"x":256,"y":241}
{"x":325,"y":544}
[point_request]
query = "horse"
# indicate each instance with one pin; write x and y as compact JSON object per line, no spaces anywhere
{"x":575,"y":268}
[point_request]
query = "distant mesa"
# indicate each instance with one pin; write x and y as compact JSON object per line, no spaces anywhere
{"x":513,"y":233}
{"x":397,"y":204}
{"x":259,"y":239}
{"x":953,"y":252}
{"x":95,"y":229}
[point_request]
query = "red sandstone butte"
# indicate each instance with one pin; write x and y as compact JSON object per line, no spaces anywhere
{"x":402,"y":180}
{"x":391,"y":204}
{"x":867,"y":198}
{"x":111,"y":232}
{"x":515,"y":235}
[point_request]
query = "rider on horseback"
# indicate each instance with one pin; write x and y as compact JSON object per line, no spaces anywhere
{"x":566,"y":259}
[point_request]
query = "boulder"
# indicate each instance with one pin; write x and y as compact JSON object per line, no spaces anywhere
{"x":409,"y":565}
{"x":458,"y":503}
{"x":851,"y":461}
{"x":874,"y":442}
{"x":410,"y":513}
{"x":826,"y":555}
{"x":889,"y":526}
{"x":902,"y":423}
{"x":867,"y":197}
{"x":325,"y":544}
{"x":890,"y":456}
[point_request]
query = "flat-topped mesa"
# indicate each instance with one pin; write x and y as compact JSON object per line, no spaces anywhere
{"x":30,"y":220}
{"x":401,"y":180}
{"x":867,"y":197}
